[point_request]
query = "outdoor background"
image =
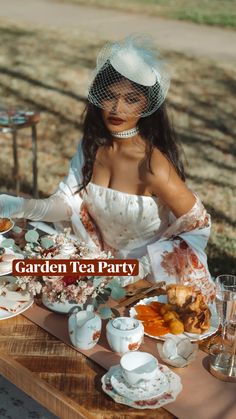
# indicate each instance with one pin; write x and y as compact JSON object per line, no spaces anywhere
{"x":211,"y":12}
{"x":47,"y":54}
{"x":47,"y":68}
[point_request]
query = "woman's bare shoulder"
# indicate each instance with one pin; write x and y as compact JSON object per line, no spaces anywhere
{"x":161,"y":168}
{"x":164,"y":181}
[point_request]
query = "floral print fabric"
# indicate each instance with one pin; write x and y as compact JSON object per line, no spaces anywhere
{"x":179,"y":256}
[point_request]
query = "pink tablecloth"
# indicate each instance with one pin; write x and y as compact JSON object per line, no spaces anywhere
{"x":202,"y":397}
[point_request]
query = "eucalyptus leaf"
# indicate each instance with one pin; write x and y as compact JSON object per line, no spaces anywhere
{"x":97,"y":281}
{"x":17,"y":249}
{"x":95,"y":303}
{"x":17,"y":229}
{"x":7,"y":243}
{"x":32,"y":236}
{"x":106,"y":291}
{"x":113,"y":283}
{"x":99,"y":299}
{"x":47,"y":242}
{"x":105,"y":312}
{"x":104,"y":297}
{"x":117,"y":293}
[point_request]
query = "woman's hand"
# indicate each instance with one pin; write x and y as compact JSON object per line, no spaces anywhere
{"x":10,"y":205}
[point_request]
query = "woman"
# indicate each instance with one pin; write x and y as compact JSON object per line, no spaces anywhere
{"x":125,"y":191}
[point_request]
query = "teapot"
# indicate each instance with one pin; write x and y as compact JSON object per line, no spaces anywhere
{"x":84,"y":328}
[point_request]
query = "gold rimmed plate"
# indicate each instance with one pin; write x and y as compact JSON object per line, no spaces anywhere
{"x":6,"y":224}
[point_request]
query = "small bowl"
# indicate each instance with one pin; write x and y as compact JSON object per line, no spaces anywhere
{"x":177,"y":351}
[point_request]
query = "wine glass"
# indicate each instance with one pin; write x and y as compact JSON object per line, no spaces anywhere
{"x":223,"y":365}
{"x":225,"y":305}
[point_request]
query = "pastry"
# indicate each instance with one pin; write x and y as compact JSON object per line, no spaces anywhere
{"x":179,"y":295}
{"x":176,"y":327}
{"x":197,"y":322}
{"x":191,"y":307}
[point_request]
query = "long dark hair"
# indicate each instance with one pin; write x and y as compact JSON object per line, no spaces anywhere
{"x":156,"y":129}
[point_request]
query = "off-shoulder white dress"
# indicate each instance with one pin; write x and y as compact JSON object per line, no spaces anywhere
{"x":128,"y":223}
{"x":131,"y":226}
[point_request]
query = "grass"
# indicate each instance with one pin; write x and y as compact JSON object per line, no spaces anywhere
{"x":34,"y":74}
{"x":209,"y":12}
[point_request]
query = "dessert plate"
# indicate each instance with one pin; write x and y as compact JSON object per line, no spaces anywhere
{"x":194,"y":337}
{"x":9,"y":222}
{"x":5,"y":314}
{"x":174,"y":387}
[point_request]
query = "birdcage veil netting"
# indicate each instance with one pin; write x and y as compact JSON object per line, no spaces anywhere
{"x":130,"y":71}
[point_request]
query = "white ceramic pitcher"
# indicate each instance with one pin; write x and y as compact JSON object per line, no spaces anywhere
{"x":84,"y":328}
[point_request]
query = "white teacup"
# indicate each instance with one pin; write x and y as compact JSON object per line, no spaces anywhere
{"x":138,"y":367}
{"x":177,"y":351}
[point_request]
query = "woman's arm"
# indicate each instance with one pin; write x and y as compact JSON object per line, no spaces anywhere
{"x":179,"y":255}
{"x":57,"y":207}
{"x":165,"y":183}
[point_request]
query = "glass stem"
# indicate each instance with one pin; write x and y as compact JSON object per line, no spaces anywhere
{"x":232,"y":357}
{"x":223,"y":337}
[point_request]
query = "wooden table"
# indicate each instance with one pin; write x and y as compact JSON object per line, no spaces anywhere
{"x":60,"y":378}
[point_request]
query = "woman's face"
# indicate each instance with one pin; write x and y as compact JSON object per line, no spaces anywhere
{"x":123,"y":106}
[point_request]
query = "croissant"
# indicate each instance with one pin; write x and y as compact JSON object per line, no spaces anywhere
{"x":198,"y":304}
{"x":197,"y":322}
{"x":190,"y":324}
{"x":179,"y":295}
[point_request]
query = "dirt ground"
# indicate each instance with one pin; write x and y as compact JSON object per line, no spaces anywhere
{"x":48,"y":69}
{"x":179,"y":36}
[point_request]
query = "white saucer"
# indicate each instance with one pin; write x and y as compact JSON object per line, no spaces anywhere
{"x":173,"y":389}
{"x":194,"y":337}
{"x":7,"y":314}
{"x":4,"y":314}
{"x":154,"y":388}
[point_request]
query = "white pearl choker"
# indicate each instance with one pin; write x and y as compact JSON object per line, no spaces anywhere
{"x":125,"y":134}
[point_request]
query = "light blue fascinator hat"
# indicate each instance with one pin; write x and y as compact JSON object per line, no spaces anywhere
{"x":132,"y":69}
